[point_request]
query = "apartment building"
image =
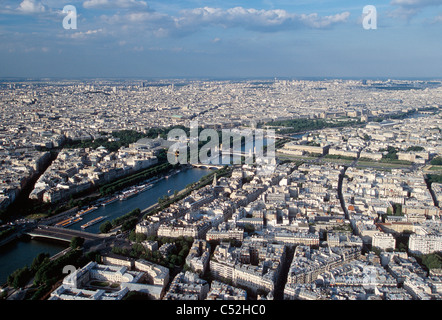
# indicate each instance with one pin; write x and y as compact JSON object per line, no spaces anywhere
{"x":383,"y":241}
{"x":425,"y":244}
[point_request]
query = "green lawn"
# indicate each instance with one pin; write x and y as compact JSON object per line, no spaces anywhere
{"x":35,"y":216}
{"x":100,"y":283}
{"x":435,"y":168}
{"x":293,"y":157}
{"x":384,"y":165}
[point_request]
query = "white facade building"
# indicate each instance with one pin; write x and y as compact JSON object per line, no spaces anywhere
{"x":383,"y":241}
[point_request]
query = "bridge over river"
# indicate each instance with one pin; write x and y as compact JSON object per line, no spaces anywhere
{"x":62,"y":234}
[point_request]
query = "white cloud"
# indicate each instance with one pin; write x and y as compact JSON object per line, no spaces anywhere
{"x":416,"y":3}
{"x":407,"y":9}
{"x":148,"y":22}
{"x":437,"y":19}
{"x":193,"y":20}
{"x":312,"y":20}
{"x":263,"y":20}
{"x":84,"y":35}
{"x":30,"y":6}
{"x":148,"y":17}
{"x":110,"y":4}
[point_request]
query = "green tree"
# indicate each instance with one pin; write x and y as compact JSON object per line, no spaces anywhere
{"x":437,"y":178}
{"x":397,"y":209}
{"x":186,"y":267}
{"x":249,"y":228}
{"x":415,"y":149}
{"x":137,"y":250}
{"x":173,"y":259}
{"x":402,"y":247}
{"x":129,"y":224}
{"x":42,"y":290}
{"x":52,"y":270}
{"x":93,"y":256}
{"x":19,"y":278}
{"x":432,"y":261}
{"x":105,"y":227}
{"x":184,"y":251}
{"x":140,"y":237}
{"x":391,"y":153}
{"x":376,"y":250}
{"x":147,"y":255}
{"x":132,"y":236}
{"x":436,"y":161}
{"x":38,"y":261}
{"x":76,"y":242}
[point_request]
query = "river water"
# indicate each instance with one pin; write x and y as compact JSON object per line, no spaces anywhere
{"x":21,"y":252}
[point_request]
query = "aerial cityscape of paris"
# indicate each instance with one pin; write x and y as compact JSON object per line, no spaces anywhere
{"x":223,"y":157}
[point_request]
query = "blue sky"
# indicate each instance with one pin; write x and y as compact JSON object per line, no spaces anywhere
{"x":213,"y":38}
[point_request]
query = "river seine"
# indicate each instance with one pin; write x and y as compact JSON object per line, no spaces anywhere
{"x":21,"y":252}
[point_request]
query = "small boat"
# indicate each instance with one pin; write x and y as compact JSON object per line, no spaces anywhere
{"x":109,"y":201}
{"x":67,"y":222}
{"x":73,"y":221}
{"x":126,"y":195}
{"x":88,"y":210}
{"x":145,"y":187}
{"x":92,"y":222}
{"x":63,"y":222}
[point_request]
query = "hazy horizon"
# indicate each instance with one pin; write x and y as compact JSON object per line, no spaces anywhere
{"x":220,"y":39}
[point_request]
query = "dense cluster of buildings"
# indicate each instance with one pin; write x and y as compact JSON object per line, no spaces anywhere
{"x":256,"y":220}
{"x":337,"y":221}
{"x":77,"y":170}
{"x":17,"y":170}
{"x":45,"y":114}
{"x":256,"y":265}
{"x":392,"y":276}
{"x":327,"y":263}
{"x":414,"y":140}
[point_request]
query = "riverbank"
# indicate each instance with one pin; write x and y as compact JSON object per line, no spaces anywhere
{"x":94,"y":198}
{"x":178,"y":195}
{"x":22,"y":251}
